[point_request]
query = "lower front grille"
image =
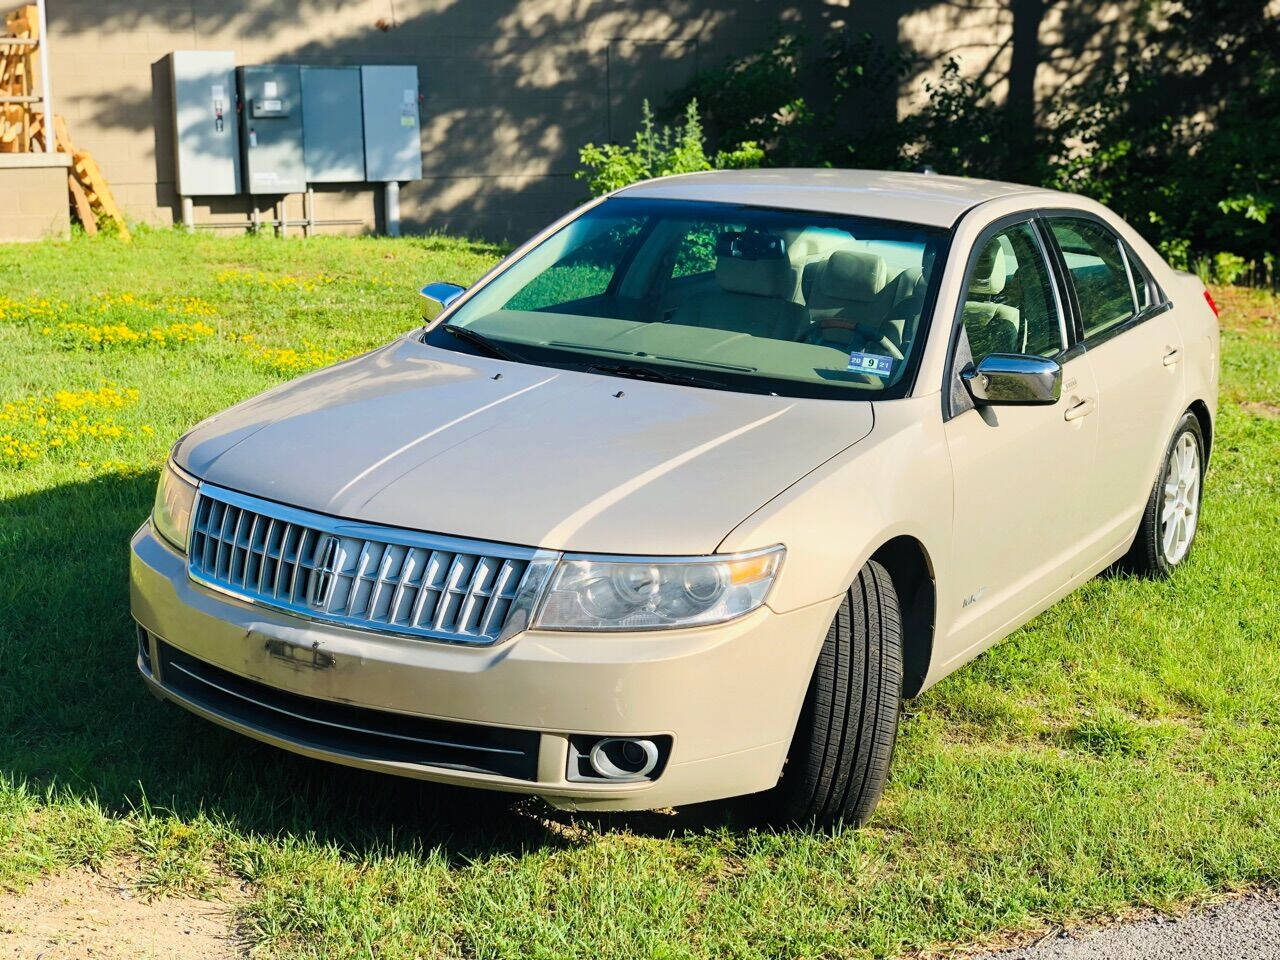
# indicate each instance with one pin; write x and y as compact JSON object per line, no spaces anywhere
{"x":346,"y":729}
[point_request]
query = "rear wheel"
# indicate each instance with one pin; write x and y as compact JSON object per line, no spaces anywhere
{"x":843,"y":744}
{"x":1172,"y":514}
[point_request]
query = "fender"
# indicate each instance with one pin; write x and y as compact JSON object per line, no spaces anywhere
{"x":895,"y":482}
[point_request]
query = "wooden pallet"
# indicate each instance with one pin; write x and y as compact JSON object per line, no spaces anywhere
{"x":91,"y":196}
{"x":19,"y":67}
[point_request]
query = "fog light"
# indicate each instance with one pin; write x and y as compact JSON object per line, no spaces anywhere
{"x":617,"y":759}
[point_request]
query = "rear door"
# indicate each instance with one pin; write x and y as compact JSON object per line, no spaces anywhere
{"x":1022,"y":475}
{"x":1136,"y":349}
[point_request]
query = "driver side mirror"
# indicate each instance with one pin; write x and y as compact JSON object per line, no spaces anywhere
{"x":436,"y":297}
{"x":1013,"y":379}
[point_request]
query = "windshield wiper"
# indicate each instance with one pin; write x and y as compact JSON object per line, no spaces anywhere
{"x":637,"y":372}
{"x":484,"y":343}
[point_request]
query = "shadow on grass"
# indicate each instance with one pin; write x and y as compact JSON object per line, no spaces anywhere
{"x":75,"y":715}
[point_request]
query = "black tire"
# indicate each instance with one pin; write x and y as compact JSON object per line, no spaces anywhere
{"x":1147,"y":556}
{"x":839,"y":759}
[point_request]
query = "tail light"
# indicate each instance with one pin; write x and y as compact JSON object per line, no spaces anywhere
{"x":1212,"y":306}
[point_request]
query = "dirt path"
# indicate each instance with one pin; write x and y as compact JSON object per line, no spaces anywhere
{"x":82,"y":914}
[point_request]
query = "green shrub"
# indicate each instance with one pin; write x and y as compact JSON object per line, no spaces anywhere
{"x":1221,"y":268}
{"x":849,"y":120}
{"x":657,"y":152}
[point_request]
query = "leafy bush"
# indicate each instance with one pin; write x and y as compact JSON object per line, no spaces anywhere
{"x":957,"y":130}
{"x":849,"y":121}
{"x":657,"y":152}
{"x":1222,"y":267}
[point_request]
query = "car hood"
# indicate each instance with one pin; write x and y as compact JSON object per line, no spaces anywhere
{"x":414,"y":436}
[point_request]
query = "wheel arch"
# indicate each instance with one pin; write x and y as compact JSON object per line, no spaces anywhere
{"x":912,"y":572}
{"x":1201,"y":410}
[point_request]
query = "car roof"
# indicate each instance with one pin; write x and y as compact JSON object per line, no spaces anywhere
{"x":925,"y":198}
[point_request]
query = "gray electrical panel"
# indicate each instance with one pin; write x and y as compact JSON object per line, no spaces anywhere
{"x":392,"y":147}
{"x":206,"y":130}
{"x":271,"y":129}
{"x":332,"y":124}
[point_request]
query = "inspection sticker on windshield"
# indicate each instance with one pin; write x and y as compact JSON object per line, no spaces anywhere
{"x":871,"y":363}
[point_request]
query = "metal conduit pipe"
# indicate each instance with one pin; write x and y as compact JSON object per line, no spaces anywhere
{"x":252,"y":224}
{"x":392,"y":208}
{"x":280,"y":223}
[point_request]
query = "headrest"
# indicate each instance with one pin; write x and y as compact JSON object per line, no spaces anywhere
{"x":758,"y":278}
{"x":852,"y":275}
{"x":989,"y":272}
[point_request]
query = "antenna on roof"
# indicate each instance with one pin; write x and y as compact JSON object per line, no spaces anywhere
{"x":924,"y":168}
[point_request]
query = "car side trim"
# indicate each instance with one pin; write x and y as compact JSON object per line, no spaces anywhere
{"x":1137,"y":319}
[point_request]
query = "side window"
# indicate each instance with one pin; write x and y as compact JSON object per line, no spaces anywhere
{"x":1099,"y":272}
{"x":582,"y":273}
{"x":1010,"y":305}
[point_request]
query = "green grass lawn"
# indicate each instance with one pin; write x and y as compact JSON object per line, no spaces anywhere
{"x":1122,"y":750}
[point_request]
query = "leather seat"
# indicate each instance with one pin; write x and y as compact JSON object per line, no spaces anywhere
{"x":854,"y":305}
{"x":991,"y":327}
{"x":753,"y":297}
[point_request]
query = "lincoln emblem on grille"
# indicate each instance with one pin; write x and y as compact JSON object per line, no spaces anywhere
{"x":323,"y":577}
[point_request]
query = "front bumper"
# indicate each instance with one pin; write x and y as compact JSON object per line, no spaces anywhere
{"x":728,"y":695}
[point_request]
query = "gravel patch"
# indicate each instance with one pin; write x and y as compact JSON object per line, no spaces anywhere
{"x":1243,"y":929}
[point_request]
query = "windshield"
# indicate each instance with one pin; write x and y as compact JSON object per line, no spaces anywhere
{"x":711,"y":294}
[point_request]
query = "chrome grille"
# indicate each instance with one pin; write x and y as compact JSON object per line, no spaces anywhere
{"x":361,"y":575}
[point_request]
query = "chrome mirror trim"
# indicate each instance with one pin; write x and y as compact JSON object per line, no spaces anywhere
{"x":436,"y":298}
{"x":1013,"y":379}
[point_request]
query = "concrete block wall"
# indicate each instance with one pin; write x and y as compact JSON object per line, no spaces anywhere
{"x":33,"y":196}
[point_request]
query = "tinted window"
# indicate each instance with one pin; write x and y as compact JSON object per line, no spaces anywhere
{"x":1096,"y":261}
{"x":1010,"y":305}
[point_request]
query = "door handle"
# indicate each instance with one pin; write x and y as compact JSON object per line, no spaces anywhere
{"x":1171,"y":356}
{"x":1078,"y":410}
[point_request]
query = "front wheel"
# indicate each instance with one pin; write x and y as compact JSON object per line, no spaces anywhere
{"x":843,"y":744}
{"x":1172,"y":514}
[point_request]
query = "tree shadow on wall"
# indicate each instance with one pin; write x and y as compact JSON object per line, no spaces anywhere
{"x":510,"y":89}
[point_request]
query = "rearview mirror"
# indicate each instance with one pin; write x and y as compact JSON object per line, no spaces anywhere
{"x":437,"y":296}
{"x":1013,"y":379}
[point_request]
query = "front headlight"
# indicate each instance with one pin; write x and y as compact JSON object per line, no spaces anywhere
{"x":651,"y":594}
{"x":175,"y":497}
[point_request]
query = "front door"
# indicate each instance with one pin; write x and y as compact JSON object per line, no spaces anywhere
{"x":1021,"y":474}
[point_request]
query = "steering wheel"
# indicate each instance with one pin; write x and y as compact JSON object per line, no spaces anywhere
{"x":862,"y":337}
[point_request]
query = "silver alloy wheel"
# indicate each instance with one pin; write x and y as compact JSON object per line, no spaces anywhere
{"x":1181,"y":505}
